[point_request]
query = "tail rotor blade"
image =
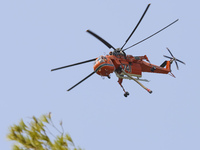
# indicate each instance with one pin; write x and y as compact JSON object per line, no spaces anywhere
{"x":167,"y":57}
{"x":176,"y":64}
{"x":170,"y":52}
{"x":81,"y":81}
{"x":173,"y":59}
{"x":136,"y":25}
{"x":101,"y":39}
{"x":74,"y":64}
{"x":180,"y":61}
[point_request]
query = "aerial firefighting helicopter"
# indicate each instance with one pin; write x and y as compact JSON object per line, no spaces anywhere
{"x":126,"y":66}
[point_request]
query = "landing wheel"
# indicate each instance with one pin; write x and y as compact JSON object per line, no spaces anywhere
{"x":126,"y":94}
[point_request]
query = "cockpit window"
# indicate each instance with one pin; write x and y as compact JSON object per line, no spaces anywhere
{"x":101,"y":59}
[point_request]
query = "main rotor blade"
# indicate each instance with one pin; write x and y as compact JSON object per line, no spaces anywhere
{"x":101,"y":39}
{"x":74,"y":64}
{"x":136,"y":25}
{"x":151,"y":35}
{"x":81,"y":81}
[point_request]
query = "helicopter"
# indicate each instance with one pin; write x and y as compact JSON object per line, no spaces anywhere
{"x":126,"y":66}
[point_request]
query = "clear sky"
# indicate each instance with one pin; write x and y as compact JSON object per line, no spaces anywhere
{"x":38,"y":35}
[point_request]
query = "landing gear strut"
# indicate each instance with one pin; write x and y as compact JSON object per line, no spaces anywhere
{"x":120,"y":83}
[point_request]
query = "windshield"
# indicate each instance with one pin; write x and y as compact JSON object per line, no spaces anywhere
{"x":100,"y":59}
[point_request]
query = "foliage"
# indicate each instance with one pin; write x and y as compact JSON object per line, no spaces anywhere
{"x":36,"y":135}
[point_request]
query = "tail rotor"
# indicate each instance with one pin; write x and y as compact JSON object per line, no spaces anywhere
{"x":172,"y":58}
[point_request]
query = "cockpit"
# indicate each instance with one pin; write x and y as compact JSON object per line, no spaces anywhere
{"x":100,"y":59}
{"x":103,"y":66}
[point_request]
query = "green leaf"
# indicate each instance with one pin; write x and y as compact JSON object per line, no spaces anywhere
{"x":17,"y":128}
{"x":22,"y":125}
{"x":49,"y":116}
{"x":35,"y":119}
{"x":15,"y":147}
{"x":44,"y":118}
{"x":68,"y":137}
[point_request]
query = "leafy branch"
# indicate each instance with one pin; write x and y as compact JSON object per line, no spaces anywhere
{"x":35,"y":135}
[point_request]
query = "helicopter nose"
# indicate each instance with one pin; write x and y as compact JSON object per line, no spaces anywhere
{"x":103,"y":67}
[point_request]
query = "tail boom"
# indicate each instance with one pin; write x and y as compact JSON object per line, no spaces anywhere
{"x":147,"y":67}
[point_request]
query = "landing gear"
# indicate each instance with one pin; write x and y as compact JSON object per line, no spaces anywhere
{"x":120,"y":83}
{"x":130,"y":77}
{"x":148,"y":90}
{"x":126,"y":94}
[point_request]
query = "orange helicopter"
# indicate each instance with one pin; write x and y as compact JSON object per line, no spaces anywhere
{"x":126,"y":66}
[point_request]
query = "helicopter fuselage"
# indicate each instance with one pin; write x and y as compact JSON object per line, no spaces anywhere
{"x":132,"y":65}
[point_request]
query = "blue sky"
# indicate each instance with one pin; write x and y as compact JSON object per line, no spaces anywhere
{"x":37,"y":36}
